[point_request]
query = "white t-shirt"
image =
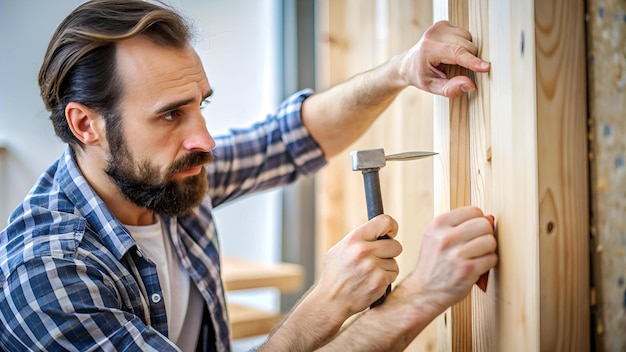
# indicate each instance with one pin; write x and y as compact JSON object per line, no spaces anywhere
{"x":183,"y":302}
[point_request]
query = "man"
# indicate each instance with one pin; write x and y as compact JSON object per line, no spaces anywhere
{"x":115,"y":246}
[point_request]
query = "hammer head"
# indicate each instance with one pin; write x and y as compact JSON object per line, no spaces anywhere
{"x":368,"y":159}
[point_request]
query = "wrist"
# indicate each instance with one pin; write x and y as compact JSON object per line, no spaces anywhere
{"x":331,"y":312}
{"x":397,"y":72}
{"x":309,"y":325}
{"x":419,"y":307}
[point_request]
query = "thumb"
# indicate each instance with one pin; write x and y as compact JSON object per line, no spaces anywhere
{"x":457,"y":86}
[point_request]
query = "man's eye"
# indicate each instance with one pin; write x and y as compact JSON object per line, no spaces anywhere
{"x":169,"y":116}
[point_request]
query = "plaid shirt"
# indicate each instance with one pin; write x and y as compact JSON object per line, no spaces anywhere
{"x":72,"y":278}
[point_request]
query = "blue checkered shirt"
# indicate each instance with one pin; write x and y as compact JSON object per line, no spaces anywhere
{"x":72,"y":278}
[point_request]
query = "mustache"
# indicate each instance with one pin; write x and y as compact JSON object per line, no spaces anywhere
{"x":189,"y":161}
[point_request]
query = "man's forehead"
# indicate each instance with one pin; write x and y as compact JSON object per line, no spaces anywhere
{"x":152,"y":72}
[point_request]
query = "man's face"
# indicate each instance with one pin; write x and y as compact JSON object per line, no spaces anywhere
{"x":142,"y":182}
{"x":158,"y":151}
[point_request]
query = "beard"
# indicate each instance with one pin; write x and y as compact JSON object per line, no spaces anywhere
{"x":140,"y":183}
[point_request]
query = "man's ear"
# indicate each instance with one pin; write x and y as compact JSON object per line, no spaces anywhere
{"x":85,"y":123}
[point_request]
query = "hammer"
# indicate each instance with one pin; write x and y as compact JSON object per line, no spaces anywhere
{"x":369,"y":162}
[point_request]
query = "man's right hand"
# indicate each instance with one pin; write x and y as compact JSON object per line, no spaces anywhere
{"x":358,"y":269}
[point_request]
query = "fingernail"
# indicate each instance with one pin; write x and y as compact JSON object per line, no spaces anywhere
{"x":467,"y":88}
{"x":491,"y":219}
{"x":484,"y":65}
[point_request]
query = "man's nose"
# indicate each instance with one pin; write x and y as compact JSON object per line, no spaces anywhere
{"x":199,"y":138}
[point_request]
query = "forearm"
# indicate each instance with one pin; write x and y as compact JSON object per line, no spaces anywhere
{"x":310,"y":324}
{"x":338,"y":116}
{"x":388,"y":327}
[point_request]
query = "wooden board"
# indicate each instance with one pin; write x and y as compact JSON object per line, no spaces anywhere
{"x":563,"y":175}
{"x":606,"y":40}
{"x":484,"y":318}
{"x":514,"y":173}
{"x":452,"y":178}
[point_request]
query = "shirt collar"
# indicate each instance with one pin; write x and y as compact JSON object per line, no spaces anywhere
{"x":89,"y":205}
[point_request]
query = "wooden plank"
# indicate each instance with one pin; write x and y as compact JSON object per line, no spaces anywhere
{"x":563,"y":175}
{"x":240,"y":274}
{"x":248,"y":322}
{"x":514,"y":173}
{"x":606,"y":38}
{"x":484,"y":317}
{"x":452,"y":182}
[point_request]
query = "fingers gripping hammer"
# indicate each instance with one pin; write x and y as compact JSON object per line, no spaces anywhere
{"x":369,"y":162}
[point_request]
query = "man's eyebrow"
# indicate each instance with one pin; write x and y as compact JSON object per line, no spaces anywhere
{"x":208,"y":94}
{"x":174,"y":105}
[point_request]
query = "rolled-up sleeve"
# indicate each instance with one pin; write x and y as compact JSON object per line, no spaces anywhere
{"x":271,"y":153}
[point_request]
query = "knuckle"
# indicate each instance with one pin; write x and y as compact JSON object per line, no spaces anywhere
{"x":458,"y":51}
{"x":430,"y":31}
{"x":476,"y":210}
{"x":386,"y":218}
{"x":467,"y":269}
{"x":437,"y":222}
{"x":447,"y":92}
{"x":473,"y":48}
{"x":376,"y":281}
{"x":446,"y":240}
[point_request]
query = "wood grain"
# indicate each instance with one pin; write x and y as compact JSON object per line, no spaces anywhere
{"x":514,"y":173}
{"x":527,"y":167}
{"x":452,"y":173}
{"x":563,"y":180}
{"x":484,"y":318}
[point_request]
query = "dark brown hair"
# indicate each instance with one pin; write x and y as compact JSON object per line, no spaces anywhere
{"x":79,"y":64}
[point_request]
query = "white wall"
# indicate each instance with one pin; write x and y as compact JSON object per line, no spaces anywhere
{"x":25,"y":28}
